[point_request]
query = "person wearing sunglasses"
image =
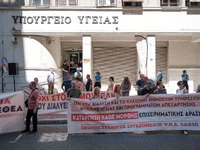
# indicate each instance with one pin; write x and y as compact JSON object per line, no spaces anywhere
{"x":181,"y":89}
{"x":147,"y":90}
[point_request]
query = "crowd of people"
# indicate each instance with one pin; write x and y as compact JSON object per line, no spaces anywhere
{"x":73,"y":86}
{"x":145,"y":86}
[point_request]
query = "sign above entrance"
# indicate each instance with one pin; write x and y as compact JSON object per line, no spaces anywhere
{"x":65,"y":19}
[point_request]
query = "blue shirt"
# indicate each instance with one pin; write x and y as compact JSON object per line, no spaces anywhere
{"x":97,"y":78}
{"x":140,"y":83}
{"x":160,"y":75}
{"x":67,"y":85}
{"x":76,"y":73}
{"x":186,"y":77}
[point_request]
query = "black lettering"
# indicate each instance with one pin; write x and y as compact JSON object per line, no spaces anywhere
{"x":67,"y":20}
{"x":43,"y":19}
{"x":36,"y":19}
{"x":80,"y":18}
{"x":115,"y":20}
{"x":49,"y":19}
{"x":29,"y":20}
{"x":57,"y":20}
{"x":15,"y":18}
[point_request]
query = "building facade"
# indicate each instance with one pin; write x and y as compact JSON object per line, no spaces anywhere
{"x":41,"y":34}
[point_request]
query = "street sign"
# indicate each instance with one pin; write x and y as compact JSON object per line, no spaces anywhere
{"x":4,"y":61}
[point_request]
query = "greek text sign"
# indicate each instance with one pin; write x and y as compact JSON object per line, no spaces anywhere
{"x":128,"y":114}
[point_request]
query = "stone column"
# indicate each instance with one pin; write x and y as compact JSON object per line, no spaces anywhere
{"x":151,"y":62}
{"x":87,"y":56}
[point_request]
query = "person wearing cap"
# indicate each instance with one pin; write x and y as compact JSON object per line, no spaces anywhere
{"x":185,"y":79}
{"x":97,"y":80}
{"x":65,"y":70}
{"x":160,"y":75}
{"x":78,"y":74}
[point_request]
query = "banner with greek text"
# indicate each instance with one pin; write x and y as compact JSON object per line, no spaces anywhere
{"x":11,"y":112}
{"x":136,"y":113}
{"x":56,"y":105}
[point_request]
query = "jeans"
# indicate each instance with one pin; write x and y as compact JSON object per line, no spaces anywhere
{"x":28,"y":119}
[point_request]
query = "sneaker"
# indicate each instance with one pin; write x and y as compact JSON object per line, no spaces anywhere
{"x":24,"y":131}
{"x":32,"y":132}
{"x":185,"y":132}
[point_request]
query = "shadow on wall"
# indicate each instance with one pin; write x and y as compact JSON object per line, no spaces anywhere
{"x":11,"y":3}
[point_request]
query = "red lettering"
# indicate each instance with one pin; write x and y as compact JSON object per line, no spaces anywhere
{"x":88,"y":96}
{"x":63,"y":97}
{"x":43,"y":98}
{"x":53,"y":98}
{"x":1,"y":101}
{"x":7,"y":101}
{"x":83,"y":96}
{"x":108,"y":95}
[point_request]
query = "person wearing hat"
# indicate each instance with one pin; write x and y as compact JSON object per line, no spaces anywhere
{"x":97,"y":80}
{"x":185,"y":79}
{"x":65,"y":70}
{"x":160,"y":75}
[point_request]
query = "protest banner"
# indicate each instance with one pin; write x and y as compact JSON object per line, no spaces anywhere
{"x":11,"y":112}
{"x":56,"y":105}
{"x":135,"y":113}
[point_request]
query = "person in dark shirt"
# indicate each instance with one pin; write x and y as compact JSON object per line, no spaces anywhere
{"x":140,"y":84}
{"x":66,"y":84}
{"x":147,"y":90}
{"x":65,"y":70}
{"x":88,"y":84}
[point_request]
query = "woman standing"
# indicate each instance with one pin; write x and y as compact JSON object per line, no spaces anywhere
{"x":97,"y":80}
{"x":111,"y":84}
{"x":181,"y":91}
{"x":79,"y":84}
{"x":118,"y":90}
{"x":160,"y":75}
{"x":126,"y":86}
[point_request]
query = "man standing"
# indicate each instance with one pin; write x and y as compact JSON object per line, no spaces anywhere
{"x":65,"y":70}
{"x":140,"y":84}
{"x":50,"y":80}
{"x":33,"y":104}
{"x":73,"y":92}
{"x":66,"y":84}
{"x":185,"y":79}
{"x":88,"y":84}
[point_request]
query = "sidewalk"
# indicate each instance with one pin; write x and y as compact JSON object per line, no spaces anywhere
{"x":52,"y":119}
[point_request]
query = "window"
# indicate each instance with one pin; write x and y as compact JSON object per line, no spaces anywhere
{"x":132,"y":3}
{"x":40,"y":2}
{"x":192,"y":3}
{"x":169,"y":2}
{"x":103,"y":3}
{"x":67,"y":2}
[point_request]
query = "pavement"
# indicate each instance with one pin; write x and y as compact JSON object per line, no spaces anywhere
{"x":55,"y":137}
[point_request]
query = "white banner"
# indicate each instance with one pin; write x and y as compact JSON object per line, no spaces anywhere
{"x":11,"y":112}
{"x":56,"y":105}
{"x":129,"y":114}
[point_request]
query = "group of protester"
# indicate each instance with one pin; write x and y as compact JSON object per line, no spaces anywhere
{"x":73,"y":86}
